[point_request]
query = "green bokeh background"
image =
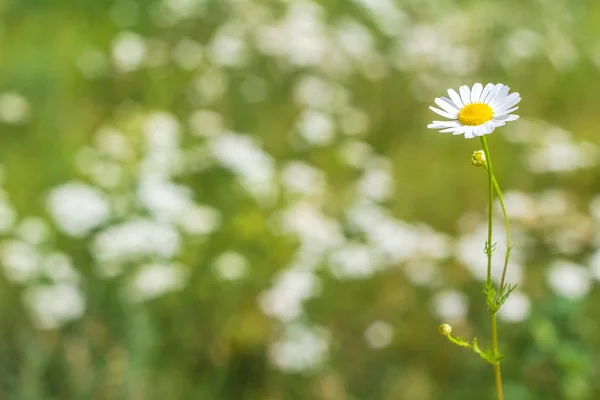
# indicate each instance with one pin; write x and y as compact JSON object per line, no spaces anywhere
{"x":211,"y":339}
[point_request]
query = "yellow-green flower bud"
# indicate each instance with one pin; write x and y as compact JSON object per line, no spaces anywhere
{"x":445,"y":330}
{"x":478,"y":158}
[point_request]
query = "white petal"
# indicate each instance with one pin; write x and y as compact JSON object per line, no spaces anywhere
{"x":509,"y":101}
{"x":465,"y":94}
{"x":443,"y":124}
{"x":492,"y":94}
{"x":498,"y":123}
{"x":500,"y":97}
{"x":442,"y":113}
{"x":500,"y":114}
{"x":469,"y":134}
{"x":460,"y":130}
{"x":476,"y":92}
{"x":486,"y":91}
{"x":455,"y":98}
{"x":479,"y":130}
{"x":447,"y":107}
{"x":489,"y":127}
{"x":449,"y":130}
{"x":506,"y":118}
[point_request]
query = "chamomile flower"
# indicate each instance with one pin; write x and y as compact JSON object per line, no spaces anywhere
{"x":476,"y":111}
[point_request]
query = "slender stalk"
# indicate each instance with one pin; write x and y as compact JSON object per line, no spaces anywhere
{"x":507,"y":227}
{"x":491,"y":180}
{"x":497,"y":371}
{"x":491,"y":201}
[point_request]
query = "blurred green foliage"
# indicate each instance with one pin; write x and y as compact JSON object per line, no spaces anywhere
{"x":212,"y":340}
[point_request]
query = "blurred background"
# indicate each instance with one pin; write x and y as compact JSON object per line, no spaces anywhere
{"x":239,"y":199}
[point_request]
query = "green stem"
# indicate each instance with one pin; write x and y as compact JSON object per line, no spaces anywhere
{"x":497,"y":371}
{"x":491,"y":181}
{"x":507,"y":227}
{"x":491,"y":201}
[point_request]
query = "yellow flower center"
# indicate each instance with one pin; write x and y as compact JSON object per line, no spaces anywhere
{"x":475,"y":114}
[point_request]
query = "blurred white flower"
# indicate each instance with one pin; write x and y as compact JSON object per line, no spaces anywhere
{"x":302,"y":349}
{"x":387,"y":16}
{"x":208,"y":87}
{"x":515,"y":308}
{"x":188,"y":53}
{"x":199,"y":220}
{"x":154,"y":280}
{"x":355,"y":153}
{"x":228,"y":47}
{"x":291,"y":288}
{"x":33,"y":230}
{"x":316,"y":127}
{"x":113,"y":143}
{"x":450,"y":305}
{"x":376,"y":184}
{"x":354,"y":121}
{"x":134,"y":240}
{"x":128,"y":51}
{"x":379,"y":335}
{"x":316,"y":93}
{"x":422,"y":273}
{"x":312,"y":227}
{"x":53,"y":306}
{"x":353,"y":261}
{"x":21,"y":261}
{"x":59,"y":268}
{"x":299,"y":177}
{"x":562,"y":155}
{"x":8,"y":215}
{"x":231,"y":266}
{"x":162,"y":131}
{"x":569,"y":279}
{"x":14,"y":109}
{"x":77,"y":208}
{"x":477,"y":111}
{"x":521,"y":205}
{"x":469,"y":252}
{"x":206,"y":123}
{"x":300,"y":37}
{"x":395,"y":240}
{"x":254,"y":166}
{"x":166,"y":201}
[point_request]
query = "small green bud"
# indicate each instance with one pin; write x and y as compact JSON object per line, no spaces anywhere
{"x":478,"y":158}
{"x":445,"y":330}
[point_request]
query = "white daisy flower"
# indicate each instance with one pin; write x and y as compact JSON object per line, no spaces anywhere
{"x":476,"y":111}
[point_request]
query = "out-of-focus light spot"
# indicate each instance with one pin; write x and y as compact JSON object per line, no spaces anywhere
{"x":568,"y":279}
{"x":206,"y":123}
{"x":301,"y":349}
{"x":33,"y":230}
{"x":353,"y":261}
{"x":316,"y":127}
{"x":515,"y":308}
{"x":14,"y":109}
{"x":128,"y":51}
{"x":188,"y":54}
{"x":21,"y":261}
{"x":154,"y":280}
{"x":92,"y":63}
{"x":231,"y":266}
{"x":54,"y":305}
{"x":77,"y":208}
{"x":450,"y":305}
{"x":379,"y":335}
